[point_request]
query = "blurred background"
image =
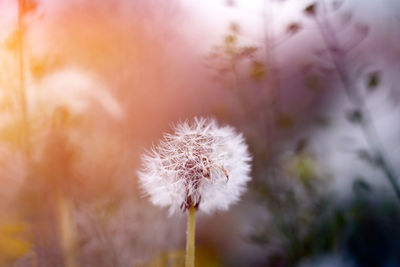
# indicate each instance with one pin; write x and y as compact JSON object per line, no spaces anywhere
{"x":87,"y":86}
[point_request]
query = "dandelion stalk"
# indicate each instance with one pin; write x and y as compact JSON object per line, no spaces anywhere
{"x":190,"y":237}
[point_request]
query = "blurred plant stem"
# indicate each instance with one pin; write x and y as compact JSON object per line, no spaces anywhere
{"x":271,"y":90}
{"x":67,"y":229}
{"x":63,"y":197}
{"x":21,"y":81}
{"x":337,"y":54}
{"x":190,"y":238}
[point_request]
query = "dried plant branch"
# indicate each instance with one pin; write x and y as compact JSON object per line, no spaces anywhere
{"x":337,"y":54}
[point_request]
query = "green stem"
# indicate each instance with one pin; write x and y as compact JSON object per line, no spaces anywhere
{"x":190,"y":238}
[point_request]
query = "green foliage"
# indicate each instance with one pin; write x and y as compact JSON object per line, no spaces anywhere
{"x":364,"y":227}
{"x":257,"y":70}
{"x":304,"y":167}
{"x":373,"y":80}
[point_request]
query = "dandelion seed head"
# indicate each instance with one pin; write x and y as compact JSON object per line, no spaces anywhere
{"x":73,"y":88}
{"x":201,"y":164}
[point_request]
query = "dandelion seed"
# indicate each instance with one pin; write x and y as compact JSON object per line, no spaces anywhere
{"x":200,"y":165}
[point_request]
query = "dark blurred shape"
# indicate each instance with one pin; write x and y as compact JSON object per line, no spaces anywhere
{"x":373,"y":80}
{"x":293,"y":28}
{"x":366,"y":157}
{"x":301,"y":145}
{"x":361,"y":187}
{"x":310,"y":9}
{"x":355,"y":116}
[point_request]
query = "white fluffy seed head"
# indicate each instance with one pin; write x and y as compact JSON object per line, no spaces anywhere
{"x":200,"y":164}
